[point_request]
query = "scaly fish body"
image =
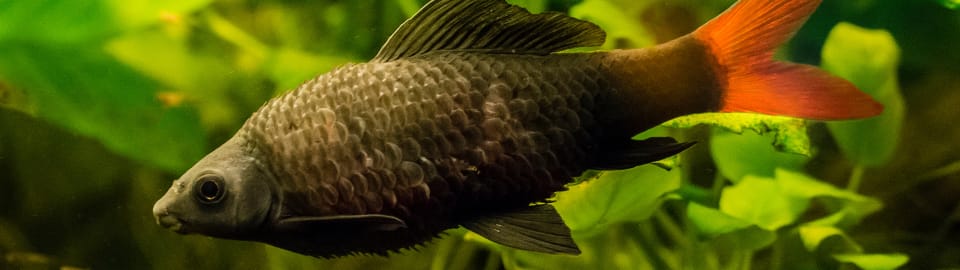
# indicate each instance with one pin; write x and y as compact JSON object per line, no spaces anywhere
{"x":433,"y":139}
{"x":475,"y":129}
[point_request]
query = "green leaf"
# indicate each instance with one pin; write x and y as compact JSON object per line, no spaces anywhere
{"x":710,"y":222}
{"x":728,"y":231}
{"x":847,"y":208}
{"x":60,"y":67}
{"x":81,"y":21}
{"x":790,"y":134}
{"x":748,"y":239}
{"x":874,"y":261}
{"x":616,"y":196}
{"x":868,"y":59}
{"x":201,"y":79}
{"x":738,"y":155}
{"x":86,"y":20}
{"x":951,"y":4}
{"x":763,"y":202}
{"x":140,"y":13}
{"x":90,"y":93}
{"x":613,"y":19}
{"x":771,"y":203}
{"x":813,"y":236}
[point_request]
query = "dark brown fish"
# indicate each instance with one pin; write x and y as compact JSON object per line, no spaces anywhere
{"x":469,"y":117}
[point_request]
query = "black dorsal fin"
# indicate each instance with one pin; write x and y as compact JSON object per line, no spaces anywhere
{"x":487,"y":25}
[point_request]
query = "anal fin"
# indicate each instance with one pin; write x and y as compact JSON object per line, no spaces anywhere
{"x":630,"y":154}
{"x":536,"y":228}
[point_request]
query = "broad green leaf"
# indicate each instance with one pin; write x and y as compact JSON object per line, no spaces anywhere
{"x":951,"y":4}
{"x":86,"y":91}
{"x":771,"y":203}
{"x":60,"y":68}
{"x":143,"y":50}
{"x":790,"y":134}
{"x":874,"y":261}
{"x":82,"y":21}
{"x":711,"y":222}
{"x":848,"y":207}
{"x":762,"y":202}
{"x":140,"y":13}
{"x":728,"y":231}
{"x":813,"y":235}
{"x":46,"y":20}
{"x":618,"y":24}
{"x":191,"y":77}
{"x":868,"y":59}
{"x":738,"y":155}
{"x":749,"y":239}
{"x":616,"y":196}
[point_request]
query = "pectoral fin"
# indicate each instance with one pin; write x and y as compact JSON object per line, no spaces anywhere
{"x":371,"y":222}
{"x":535,"y":228}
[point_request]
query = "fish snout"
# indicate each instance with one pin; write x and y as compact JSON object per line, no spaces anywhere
{"x":163,"y":216}
{"x":168,"y":221}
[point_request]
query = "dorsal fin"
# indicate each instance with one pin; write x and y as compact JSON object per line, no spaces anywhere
{"x":487,"y":25}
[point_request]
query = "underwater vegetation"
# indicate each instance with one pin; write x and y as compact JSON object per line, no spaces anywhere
{"x":103,"y":103}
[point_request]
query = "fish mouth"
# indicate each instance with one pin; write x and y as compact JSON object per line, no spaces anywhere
{"x":172,"y":223}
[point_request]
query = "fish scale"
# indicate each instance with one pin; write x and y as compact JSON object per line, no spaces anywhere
{"x":455,"y":130}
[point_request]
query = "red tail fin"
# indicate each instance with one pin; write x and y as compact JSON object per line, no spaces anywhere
{"x":743,"y":40}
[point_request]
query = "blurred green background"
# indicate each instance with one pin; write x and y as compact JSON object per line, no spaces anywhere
{"x":104,"y":102}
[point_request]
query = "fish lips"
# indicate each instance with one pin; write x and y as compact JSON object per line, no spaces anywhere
{"x":171,"y":222}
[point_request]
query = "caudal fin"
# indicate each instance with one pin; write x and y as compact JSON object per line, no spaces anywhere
{"x":743,"y":40}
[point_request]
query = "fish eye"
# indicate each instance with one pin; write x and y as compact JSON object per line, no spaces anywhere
{"x":210,"y":189}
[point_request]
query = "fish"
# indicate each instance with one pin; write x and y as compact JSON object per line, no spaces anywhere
{"x":473,"y":114}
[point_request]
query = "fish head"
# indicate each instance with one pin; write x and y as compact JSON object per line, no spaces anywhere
{"x":227,"y":194}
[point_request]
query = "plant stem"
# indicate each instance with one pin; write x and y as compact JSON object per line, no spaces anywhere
{"x":855,"y":178}
{"x":228,"y":31}
{"x":673,"y":230}
{"x":776,"y":256}
{"x":718,"y":183}
{"x":652,"y":246}
{"x":949,"y":169}
{"x":735,"y":260}
{"x":747,"y":260}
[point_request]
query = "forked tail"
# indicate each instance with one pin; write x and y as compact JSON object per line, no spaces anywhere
{"x":743,"y":40}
